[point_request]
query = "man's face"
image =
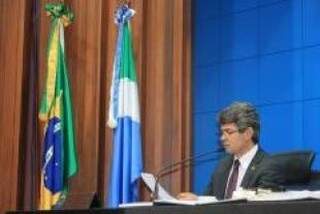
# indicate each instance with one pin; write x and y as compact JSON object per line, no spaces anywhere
{"x":233,"y":141}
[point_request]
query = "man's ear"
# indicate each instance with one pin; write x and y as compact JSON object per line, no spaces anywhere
{"x":249,"y":133}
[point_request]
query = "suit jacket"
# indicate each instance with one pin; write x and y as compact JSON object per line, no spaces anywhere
{"x":260,"y":173}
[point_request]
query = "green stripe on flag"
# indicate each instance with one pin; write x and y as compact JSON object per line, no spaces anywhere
{"x":71,"y":164}
{"x":127,"y":66}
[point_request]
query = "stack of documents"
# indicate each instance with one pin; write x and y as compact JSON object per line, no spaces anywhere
{"x":286,"y":196}
{"x":265,"y":195}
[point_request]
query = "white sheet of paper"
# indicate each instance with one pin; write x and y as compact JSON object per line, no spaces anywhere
{"x":150,"y":181}
{"x":136,"y":204}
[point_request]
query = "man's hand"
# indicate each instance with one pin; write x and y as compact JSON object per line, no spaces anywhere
{"x":188,"y":196}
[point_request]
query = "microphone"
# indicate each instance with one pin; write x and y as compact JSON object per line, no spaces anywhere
{"x":168,"y":168}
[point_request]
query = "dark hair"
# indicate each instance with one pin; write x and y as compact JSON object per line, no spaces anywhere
{"x":244,"y":115}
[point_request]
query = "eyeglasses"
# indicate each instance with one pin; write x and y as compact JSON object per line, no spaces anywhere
{"x":227,"y":132}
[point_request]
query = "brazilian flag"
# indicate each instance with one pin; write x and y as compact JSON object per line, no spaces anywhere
{"x":59,"y":160}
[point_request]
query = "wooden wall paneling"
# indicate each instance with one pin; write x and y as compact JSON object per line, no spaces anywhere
{"x":177,"y":99}
{"x":154,"y":65}
{"x":12,"y":26}
{"x":158,"y":86}
{"x":171,"y":150}
{"x":186,"y":107}
{"x":167,"y":138}
{"x":29,"y":159}
{"x":109,"y":35}
{"x":169,"y":119}
{"x":103,"y":142}
{"x":83,"y":49}
{"x":181,"y":100}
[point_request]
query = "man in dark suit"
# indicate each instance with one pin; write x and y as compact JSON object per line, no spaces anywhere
{"x":246,"y":164}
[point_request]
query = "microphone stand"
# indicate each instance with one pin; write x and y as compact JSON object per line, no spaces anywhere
{"x":169,"y":167}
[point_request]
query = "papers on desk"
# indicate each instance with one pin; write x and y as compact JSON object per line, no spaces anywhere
{"x":166,"y":198}
{"x":265,"y":195}
{"x":136,"y":204}
{"x":287,"y":196}
{"x":202,"y":200}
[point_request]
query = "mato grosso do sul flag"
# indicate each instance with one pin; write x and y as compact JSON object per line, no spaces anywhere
{"x":124,"y":117}
{"x":59,"y":160}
